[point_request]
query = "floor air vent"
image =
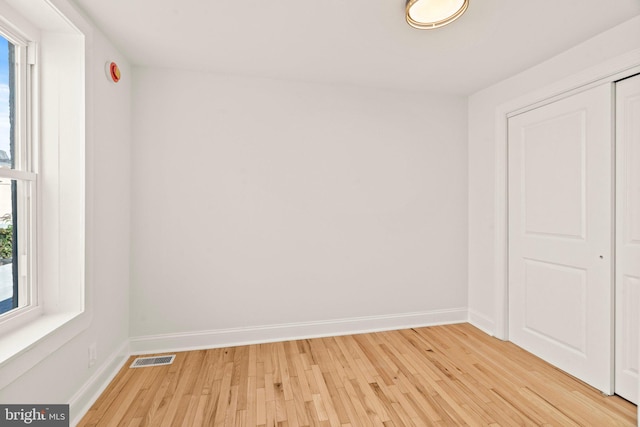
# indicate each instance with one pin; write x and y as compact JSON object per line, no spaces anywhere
{"x":142,"y":362}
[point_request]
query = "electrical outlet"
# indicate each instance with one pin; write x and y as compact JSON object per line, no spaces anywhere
{"x":93,"y":354}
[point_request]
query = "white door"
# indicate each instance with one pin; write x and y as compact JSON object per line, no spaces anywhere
{"x":627,"y":237}
{"x":560,"y":234}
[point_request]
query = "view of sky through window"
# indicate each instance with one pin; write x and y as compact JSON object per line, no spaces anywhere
{"x":5,"y":127}
{"x":7,"y":301}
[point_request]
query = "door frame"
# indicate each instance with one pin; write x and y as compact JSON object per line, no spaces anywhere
{"x":610,"y":71}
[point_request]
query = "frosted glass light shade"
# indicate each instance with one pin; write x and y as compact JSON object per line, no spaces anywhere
{"x":428,"y":14}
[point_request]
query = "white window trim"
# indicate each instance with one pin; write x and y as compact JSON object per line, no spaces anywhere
{"x":25,"y":42}
{"x":64,"y":307}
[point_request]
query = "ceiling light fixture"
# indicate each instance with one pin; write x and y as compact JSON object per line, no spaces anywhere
{"x":429,"y":14}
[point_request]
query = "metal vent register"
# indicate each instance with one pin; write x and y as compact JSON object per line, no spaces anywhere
{"x":142,"y":362}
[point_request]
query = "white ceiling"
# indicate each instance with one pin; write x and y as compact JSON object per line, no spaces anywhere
{"x":364,"y":42}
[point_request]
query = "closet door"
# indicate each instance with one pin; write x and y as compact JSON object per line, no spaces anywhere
{"x":561,"y":234}
{"x":627,"y":237}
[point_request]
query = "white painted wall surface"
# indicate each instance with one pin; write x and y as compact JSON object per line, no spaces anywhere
{"x":60,"y":378}
{"x":262,"y":202}
{"x":482,"y":139}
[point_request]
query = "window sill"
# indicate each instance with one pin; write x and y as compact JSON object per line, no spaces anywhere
{"x":28,"y":345}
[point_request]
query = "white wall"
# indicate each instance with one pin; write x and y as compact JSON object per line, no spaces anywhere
{"x":482,"y":165}
{"x":262,"y":202}
{"x":60,"y":377}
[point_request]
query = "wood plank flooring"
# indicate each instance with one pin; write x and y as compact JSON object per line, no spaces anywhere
{"x":452,"y":375}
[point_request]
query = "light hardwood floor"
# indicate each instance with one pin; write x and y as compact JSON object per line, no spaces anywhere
{"x":438,"y":376}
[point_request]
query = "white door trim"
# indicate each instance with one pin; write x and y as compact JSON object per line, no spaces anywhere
{"x":608,"y":72}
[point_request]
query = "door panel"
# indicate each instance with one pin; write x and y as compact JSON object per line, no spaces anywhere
{"x":553,"y":173}
{"x":568,"y":286}
{"x":628,"y":237}
{"x":561,"y":236}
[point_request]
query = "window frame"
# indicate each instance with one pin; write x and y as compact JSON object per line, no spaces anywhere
{"x":62,"y":117}
{"x":24,"y":39}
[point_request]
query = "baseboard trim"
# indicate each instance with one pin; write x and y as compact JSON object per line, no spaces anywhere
{"x":482,"y":322}
{"x":293,"y":331}
{"x":84,"y":398}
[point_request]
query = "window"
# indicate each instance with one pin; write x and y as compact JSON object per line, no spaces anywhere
{"x":17,"y":178}
{"x":44,"y":179}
